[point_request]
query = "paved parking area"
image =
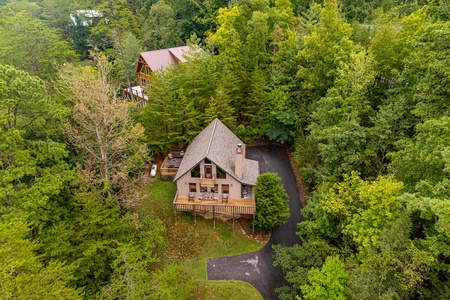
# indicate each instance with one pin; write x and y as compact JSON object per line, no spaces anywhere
{"x":257,"y":268}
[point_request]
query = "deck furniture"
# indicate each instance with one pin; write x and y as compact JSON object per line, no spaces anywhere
{"x":225,"y":198}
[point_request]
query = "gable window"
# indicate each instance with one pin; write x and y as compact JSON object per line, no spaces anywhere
{"x":195,"y":172}
{"x":221,"y":173}
{"x":208,"y":171}
{"x":208,"y":168}
{"x":145,"y":69}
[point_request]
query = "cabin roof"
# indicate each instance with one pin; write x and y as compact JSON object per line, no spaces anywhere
{"x":218,"y":143}
{"x":159,"y":59}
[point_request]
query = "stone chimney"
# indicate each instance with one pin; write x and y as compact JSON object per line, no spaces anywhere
{"x":239,"y":161}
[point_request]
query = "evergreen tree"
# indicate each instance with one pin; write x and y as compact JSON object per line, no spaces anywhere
{"x":219,"y":107}
{"x":33,"y":168}
{"x":271,"y":203}
{"x":131,"y":50}
{"x":23,"y":275}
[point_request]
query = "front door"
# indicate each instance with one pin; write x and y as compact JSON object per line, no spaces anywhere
{"x":208,"y":171}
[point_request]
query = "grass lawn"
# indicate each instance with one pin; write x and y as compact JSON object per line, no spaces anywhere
{"x":189,"y":244}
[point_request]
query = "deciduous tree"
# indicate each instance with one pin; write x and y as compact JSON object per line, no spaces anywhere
{"x":104,"y":133}
{"x":328,"y":282}
{"x":31,"y":46}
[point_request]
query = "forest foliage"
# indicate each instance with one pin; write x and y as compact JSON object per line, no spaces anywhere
{"x":358,"y":89}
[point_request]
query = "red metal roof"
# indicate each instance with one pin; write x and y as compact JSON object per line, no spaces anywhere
{"x":159,"y":59}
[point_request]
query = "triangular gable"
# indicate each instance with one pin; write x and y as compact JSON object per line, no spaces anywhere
{"x":141,"y":62}
{"x":217,"y":143}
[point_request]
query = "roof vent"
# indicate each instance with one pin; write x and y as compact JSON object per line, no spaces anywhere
{"x":239,"y":145}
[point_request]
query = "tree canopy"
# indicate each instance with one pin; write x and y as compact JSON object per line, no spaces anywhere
{"x":357,"y":89}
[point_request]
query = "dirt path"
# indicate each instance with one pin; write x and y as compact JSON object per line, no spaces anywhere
{"x":257,"y":268}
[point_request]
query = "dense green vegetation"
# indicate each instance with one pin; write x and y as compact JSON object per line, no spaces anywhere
{"x":272,"y":205}
{"x":359,"y":89}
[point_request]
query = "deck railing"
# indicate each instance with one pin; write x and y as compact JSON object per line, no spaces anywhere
{"x":207,"y":182}
{"x":217,"y":208}
{"x":214,"y":208}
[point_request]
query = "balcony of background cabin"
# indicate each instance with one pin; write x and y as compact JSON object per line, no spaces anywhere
{"x":207,"y":182}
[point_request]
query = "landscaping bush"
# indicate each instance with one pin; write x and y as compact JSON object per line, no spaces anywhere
{"x":272,"y":207}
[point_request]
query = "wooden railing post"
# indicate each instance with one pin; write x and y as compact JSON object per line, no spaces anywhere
{"x":233,"y":219}
{"x":253,"y":225}
{"x":214,"y":216}
{"x":175,"y":213}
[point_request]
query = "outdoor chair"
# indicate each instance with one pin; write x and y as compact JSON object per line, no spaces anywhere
{"x":225,"y":197}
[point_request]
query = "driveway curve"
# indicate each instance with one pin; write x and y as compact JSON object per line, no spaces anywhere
{"x":257,"y":267}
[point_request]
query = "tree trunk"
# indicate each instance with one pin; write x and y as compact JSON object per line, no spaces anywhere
{"x":119,"y":41}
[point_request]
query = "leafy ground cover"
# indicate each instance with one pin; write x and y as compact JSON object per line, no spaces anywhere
{"x":189,"y":245}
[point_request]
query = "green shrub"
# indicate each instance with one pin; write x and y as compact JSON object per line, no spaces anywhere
{"x":272,"y":207}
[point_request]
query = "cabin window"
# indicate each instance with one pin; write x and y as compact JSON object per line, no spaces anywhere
{"x":145,"y":69}
{"x":225,"y":188}
{"x":195,"y":172}
{"x":208,"y":171}
{"x":144,"y":82}
{"x":244,"y":191}
{"x":221,"y":173}
{"x":192,"y":187}
{"x":215,"y":189}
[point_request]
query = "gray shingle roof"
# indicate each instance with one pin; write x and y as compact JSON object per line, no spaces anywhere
{"x":218,"y":143}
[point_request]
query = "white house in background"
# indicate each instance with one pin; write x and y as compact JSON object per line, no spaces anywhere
{"x":87,"y":17}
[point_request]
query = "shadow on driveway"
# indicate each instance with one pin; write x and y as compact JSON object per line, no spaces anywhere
{"x":257,"y":268}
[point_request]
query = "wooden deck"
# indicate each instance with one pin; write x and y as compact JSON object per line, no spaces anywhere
{"x":169,"y":167}
{"x":136,"y":91}
{"x":234,"y":208}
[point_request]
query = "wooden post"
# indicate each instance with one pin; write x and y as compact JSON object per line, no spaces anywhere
{"x":175,"y":213}
{"x":214,"y":216}
{"x":253,"y":225}
{"x":195,"y":216}
{"x":233,"y":219}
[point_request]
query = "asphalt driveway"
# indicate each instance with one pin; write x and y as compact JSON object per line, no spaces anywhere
{"x":257,"y":268}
